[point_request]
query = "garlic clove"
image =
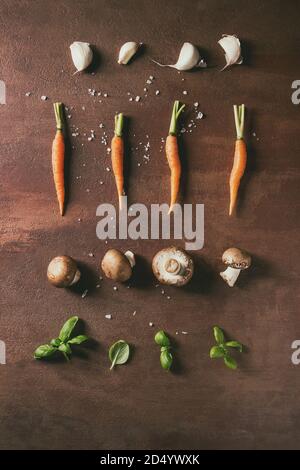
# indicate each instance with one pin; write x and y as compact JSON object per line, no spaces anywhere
{"x":82,"y":55}
{"x":189,"y":57}
{"x":127,"y":51}
{"x":232,"y":48}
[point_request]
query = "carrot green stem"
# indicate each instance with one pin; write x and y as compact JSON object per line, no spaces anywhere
{"x":59,"y":115}
{"x":119,"y":122}
{"x":175,"y":115}
{"x":239,"y":118}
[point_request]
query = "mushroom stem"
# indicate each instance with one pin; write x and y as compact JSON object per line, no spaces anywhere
{"x":172,"y":266}
{"x":76,"y":277}
{"x":131,"y":258}
{"x":230,"y":275}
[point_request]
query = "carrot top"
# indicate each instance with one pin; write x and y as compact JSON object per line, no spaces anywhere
{"x":119,"y":122}
{"x":59,"y":115}
{"x":239,"y":118}
{"x":175,"y":115}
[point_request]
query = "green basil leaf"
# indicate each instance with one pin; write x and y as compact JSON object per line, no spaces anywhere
{"x":55,"y":342}
{"x":118,"y":353}
{"x":165,"y":348}
{"x":78,"y":339}
{"x":67,"y":329}
{"x":166,"y":360}
{"x":235,"y":344}
{"x":45,"y":350}
{"x":65,"y":348}
{"x":217,"y":351}
{"x":219,"y":335}
{"x":230,"y":362}
{"x":161,"y":338}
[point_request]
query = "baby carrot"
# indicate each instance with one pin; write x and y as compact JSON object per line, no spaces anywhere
{"x":240,"y":156}
{"x":58,"y":157}
{"x":172,"y":154}
{"x":117,"y":156}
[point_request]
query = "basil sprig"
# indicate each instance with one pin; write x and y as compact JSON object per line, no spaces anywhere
{"x":221,"y":349}
{"x":62,"y":343}
{"x":166,"y":357}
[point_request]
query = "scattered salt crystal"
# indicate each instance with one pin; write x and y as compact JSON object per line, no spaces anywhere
{"x":107,"y":168}
{"x":101,"y":182}
{"x":83,"y":108}
{"x":199,"y":115}
{"x":97,"y":286}
{"x":157,"y":92}
{"x":150,"y":323}
{"x":184,"y":92}
{"x":196,"y":104}
{"x":151,"y":77}
{"x":105,"y":95}
{"x":184,"y":332}
{"x":91,"y":255}
{"x":115,"y":288}
{"x":137,"y":98}
{"x":44,"y":98}
{"x":79,"y":220}
{"x":149,"y":82}
{"x":109,"y":317}
{"x":28,"y":93}
{"x":145,"y":89}
{"x":108,"y":150}
{"x":101,"y":125}
{"x":163,"y":292}
{"x":134,"y":313}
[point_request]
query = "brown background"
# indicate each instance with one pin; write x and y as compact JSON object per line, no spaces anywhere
{"x":201,"y":404}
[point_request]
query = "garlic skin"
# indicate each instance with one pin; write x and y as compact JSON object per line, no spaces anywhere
{"x":189,"y":58}
{"x":82,"y":55}
{"x":232,"y":48}
{"x":127,"y":51}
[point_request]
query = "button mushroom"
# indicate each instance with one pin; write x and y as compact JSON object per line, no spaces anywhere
{"x":173,"y":266}
{"x":236,"y":260}
{"x":63,"y":272}
{"x":117,"y":265}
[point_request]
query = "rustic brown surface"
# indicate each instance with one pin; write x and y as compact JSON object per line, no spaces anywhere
{"x":202,"y":404}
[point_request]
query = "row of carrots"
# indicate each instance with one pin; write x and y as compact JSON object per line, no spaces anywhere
{"x":172,"y":154}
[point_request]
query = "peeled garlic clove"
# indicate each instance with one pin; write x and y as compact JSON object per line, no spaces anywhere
{"x":189,"y":58}
{"x":127,"y":51}
{"x":82,"y":55}
{"x":232,"y":49}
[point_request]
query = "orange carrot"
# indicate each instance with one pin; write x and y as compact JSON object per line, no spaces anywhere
{"x":172,"y":154}
{"x":117,"y":156}
{"x":58,"y":157}
{"x":240,"y":156}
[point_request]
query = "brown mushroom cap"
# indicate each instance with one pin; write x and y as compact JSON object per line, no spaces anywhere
{"x":173,"y":266}
{"x":62,"y":270}
{"x":236,"y":258}
{"x":116,"y":266}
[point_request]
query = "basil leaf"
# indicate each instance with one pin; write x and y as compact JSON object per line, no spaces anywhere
{"x":65,"y":348}
{"x":78,"y":339}
{"x":118,"y":353}
{"x":219,"y":335}
{"x":45,"y":350}
{"x":216,"y":351}
{"x":166,"y":359}
{"x":55,"y":342}
{"x":235,"y":344}
{"x":67,"y":329}
{"x":230,"y":362}
{"x":161,"y":338}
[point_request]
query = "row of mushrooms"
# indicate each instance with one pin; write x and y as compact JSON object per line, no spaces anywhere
{"x":171,"y":266}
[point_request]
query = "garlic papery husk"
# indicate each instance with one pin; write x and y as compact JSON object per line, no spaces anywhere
{"x":82,"y":55}
{"x":232,"y":49}
{"x":189,"y":58}
{"x":127,"y":51}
